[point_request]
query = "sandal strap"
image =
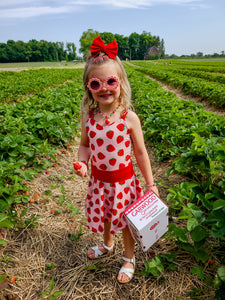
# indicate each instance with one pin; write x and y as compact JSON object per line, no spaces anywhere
{"x":130,"y":260}
{"x":99,"y":252}
{"x":108,"y":248}
{"x":127,"y":271}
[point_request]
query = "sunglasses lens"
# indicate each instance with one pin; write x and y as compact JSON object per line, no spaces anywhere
{"x":95,"y":85}
{"x":112,"y":82}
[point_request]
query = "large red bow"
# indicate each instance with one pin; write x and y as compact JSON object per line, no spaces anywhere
{"x":98,"y":46}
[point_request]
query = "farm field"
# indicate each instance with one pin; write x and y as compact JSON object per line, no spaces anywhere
{"x":43,"y":228}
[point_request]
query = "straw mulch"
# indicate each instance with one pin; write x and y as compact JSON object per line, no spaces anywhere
{"x":35,"y":255}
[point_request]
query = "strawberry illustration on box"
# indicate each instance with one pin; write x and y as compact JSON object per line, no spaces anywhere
{"x":147,"y":219}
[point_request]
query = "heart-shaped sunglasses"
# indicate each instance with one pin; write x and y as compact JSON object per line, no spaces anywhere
{"x":95,"y":84}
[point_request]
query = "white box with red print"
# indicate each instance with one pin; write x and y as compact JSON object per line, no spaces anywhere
{"x":147,"y":219}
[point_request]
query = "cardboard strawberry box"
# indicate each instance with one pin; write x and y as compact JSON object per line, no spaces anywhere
{"x":147,"y":219}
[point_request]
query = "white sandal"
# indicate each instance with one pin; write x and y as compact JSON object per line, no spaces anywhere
{"x":127,"y":271}
{"x":98,"y":252}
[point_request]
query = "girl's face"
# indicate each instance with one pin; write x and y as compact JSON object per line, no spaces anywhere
{"x":106,"y":95}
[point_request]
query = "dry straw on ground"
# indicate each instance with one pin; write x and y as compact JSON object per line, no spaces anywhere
{"x":37,"y":254}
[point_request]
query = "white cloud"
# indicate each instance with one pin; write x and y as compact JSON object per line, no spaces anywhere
{"x":33,"y":8}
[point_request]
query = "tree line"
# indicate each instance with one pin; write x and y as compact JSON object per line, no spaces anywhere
{"x":133,"y":47}
{"x":35,"y":51}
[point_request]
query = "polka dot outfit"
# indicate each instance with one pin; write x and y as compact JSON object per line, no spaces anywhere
{"x":110,"y":150}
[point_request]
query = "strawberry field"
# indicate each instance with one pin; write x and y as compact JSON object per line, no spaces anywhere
{"x":39,"y":121}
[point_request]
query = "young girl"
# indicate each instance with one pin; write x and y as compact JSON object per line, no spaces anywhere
{"x":109,"y":128}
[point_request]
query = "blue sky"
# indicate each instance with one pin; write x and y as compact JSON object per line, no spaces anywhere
{"x":187,"y":26}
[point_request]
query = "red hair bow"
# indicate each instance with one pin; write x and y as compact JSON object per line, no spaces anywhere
{"x":98,"y":46}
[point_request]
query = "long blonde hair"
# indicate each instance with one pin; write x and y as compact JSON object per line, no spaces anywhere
{"x":88,"y":102}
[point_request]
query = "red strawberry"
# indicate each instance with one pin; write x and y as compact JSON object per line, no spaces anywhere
{"x":114,"y":212}
{"x":112,"y":161}
{"x":132,"y":196}
{"x":76,"y":165}
{"x":100,"y":228}
{"x":92,"y":134}
{"x":110,"y":134}
{"x":120,"y":224}
{"x":99,"y":127}
{"x":122,"y":182}
{"x":113,"y":184}
{"x":87,"y":129}
{"x":88,"y":210}
{"x":126,"y":202}
{"x":94,"y":229}
{"x":126,"y":190}
{"x":111,"y":198}
{"x":119,"y":205}
{"x":132,"y":183}
{"x":121,"y":166}
{"x":120,"y":195}
{"x":89,"y":184}
{"x":127,"y":157}
{"x":92,"y":146}
{"x":127,"y":143}
{"x":106,"y":191}
{"x":115,"y":222}
{"x":107,"y":202}
{"x":102,"y":219}
{"x":103,"y":167}
{"x":97,"y":210}
{"x":97,"y":201}
{"x":92,"y":122}
{"x":96,"y":191}
{"x":128,"y":131}
{"x":96,"y":219}
{"x":120,"y":152}
{"x":110,"y":148}
{"x":88,"y":197}
{"x":101,"y":155}
{"x":101,"y":184}
{"x":102,"y":197}
{"x":121,"y":127}
{"x":119,"y":139}
{"x":100,"y":142}
{"x":102,"y":208}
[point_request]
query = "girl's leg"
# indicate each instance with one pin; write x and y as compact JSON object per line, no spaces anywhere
{"x":108,"y":241}
{"x":128,"y":253}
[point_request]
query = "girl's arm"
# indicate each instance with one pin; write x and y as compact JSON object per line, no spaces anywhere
{"x":83,"y":151}
{"x":140,"y":151}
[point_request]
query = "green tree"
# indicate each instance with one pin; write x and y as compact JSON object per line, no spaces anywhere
{"x":3,"y":53}
{"x":123,"y":44}
{"x":86,"y":41}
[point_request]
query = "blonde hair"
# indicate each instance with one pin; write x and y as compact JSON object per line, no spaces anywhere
{"x":88,"y":103}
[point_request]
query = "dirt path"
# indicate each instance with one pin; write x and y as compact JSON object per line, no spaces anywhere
{"x":35,"y":255}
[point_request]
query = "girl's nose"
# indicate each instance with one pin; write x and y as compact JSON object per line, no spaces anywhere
{"x":104,"y":87}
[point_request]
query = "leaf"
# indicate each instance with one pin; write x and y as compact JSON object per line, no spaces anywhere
{"x":2,"y":242}
{"x":218,"y":204}
{"x":198,"y":233}
{"x":221,"y":273}
{"x":199,"y":271}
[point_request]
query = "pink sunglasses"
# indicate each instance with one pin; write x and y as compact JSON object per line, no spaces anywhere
{"x":95,"y":84}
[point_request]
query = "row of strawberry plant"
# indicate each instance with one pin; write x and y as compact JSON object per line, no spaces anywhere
{"x":30,"y":131}
{"x":212,"y":92}
{"x":206,"y":66}
{"x":185,"y":71}
{"x":14,"y":85}
{"x":199,"y":200}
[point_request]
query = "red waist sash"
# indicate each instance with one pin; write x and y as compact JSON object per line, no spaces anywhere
{"x":113,"y":176}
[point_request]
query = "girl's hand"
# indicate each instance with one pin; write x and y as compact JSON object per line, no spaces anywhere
{"x":80,"y":168}
{"x":153,"y":189}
